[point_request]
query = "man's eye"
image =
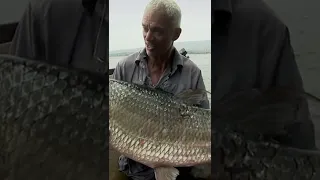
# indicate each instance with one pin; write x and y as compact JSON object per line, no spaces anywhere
{"x":158,"y":30}
{"x":144,"y":28}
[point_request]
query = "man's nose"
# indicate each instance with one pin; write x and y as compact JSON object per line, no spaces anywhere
{"x":149,"y":36}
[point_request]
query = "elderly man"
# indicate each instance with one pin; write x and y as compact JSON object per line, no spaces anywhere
{"x":159,"y":65}
{"x":250,"y":49}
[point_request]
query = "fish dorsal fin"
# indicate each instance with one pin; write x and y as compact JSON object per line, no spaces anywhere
{"x":192,"y":96}
{"x":166,"y":173}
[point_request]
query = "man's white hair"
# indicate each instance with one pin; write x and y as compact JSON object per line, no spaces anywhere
{"x":169,"y":7}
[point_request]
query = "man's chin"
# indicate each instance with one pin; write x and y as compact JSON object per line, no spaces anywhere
{"x":151,"y":52}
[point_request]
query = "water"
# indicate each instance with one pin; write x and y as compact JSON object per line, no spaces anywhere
{"x":203,"y":61}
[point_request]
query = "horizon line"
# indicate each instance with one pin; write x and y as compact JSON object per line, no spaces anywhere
{"x":142,"y":47}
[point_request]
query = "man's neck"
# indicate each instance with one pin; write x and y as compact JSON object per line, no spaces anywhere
{"x":160,"y":63}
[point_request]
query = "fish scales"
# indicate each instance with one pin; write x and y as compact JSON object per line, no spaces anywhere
{"x":53,"y":126}
{"x":237,"y":151}
{"x":152,"y":134}
{"x":53,"y":122}
{"x":234,"y":158}
{"x":160,"y":130}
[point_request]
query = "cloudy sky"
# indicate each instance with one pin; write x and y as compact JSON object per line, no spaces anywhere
{"x":125,"y":22}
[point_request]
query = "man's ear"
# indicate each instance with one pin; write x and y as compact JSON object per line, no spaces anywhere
{"x":177,"y":33}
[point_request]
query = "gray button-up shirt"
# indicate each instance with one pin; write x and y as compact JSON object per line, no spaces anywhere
{"x":182,"y":75}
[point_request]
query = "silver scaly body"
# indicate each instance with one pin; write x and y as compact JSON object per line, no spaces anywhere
{"x":155,"y":128}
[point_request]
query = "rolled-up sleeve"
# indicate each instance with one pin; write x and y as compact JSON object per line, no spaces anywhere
{"x":287,"y":71}
{"x":287,"y":75}
{"x":117,"y":74}
{"x":199,"y":84}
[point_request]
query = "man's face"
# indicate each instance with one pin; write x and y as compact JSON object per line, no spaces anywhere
{"x":158,"y":33}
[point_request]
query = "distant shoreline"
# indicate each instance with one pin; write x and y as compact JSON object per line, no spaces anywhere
{"x":192,"y":47}
{"x":128,"y":53}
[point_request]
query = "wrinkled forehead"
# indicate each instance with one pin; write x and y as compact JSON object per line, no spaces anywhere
{"x":156,"y":18}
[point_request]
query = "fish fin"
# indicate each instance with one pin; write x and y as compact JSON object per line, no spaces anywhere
{"x":166,"y":173}
{"x":192,"y":96}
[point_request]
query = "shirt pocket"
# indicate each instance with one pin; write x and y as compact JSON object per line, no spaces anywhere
{"x":168,"y":86}
{"x":174,"y":88}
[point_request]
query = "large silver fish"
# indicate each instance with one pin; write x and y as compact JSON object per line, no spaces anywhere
{"x":158,"y":129}
{"x":164,"y":131}
{"x":53,"y":122}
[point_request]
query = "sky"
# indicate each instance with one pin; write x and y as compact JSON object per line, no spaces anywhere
{"x":125,"y":17}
